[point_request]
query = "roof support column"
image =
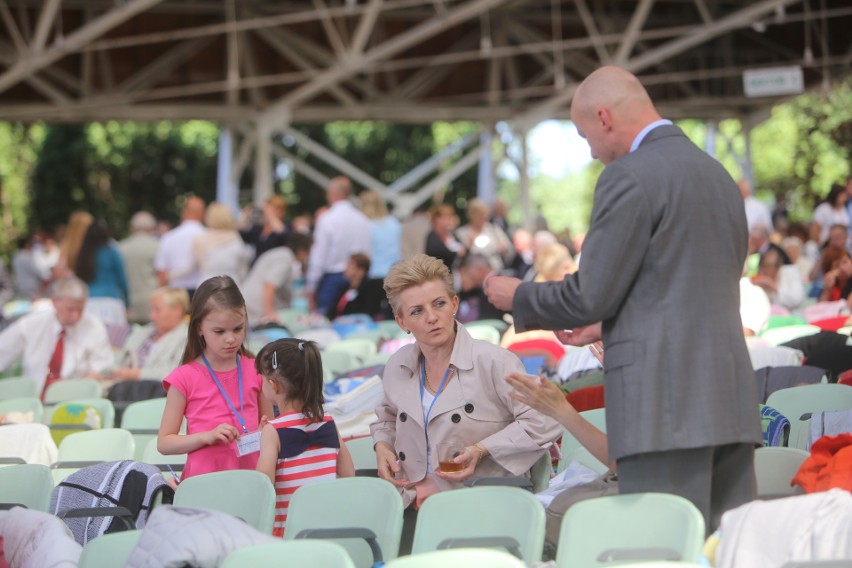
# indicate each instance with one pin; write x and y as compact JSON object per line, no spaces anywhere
{"x":226,"y":182}
{"x":487,"y":186}
{"x":263,"y":164}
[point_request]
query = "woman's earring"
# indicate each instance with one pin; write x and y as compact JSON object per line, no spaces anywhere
{"x":408,"y":331}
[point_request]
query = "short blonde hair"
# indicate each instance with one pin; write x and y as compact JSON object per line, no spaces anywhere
{"x":173,"y":297}
{"x":219,"y":217}
{"x":416,"y":271}
{"x":372,"y":204}
{"x":477,"y":205}
{"x":553,"y":262}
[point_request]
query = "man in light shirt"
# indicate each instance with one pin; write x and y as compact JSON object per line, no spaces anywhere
{"x":33,"y":339}
{"x":340,"y":232}
{"x":175,"y":262}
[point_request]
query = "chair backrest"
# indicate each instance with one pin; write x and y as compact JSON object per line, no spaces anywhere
{"x":597,"y":417}
{"x":23,"y":405}
{"x":337,"y":362}
{"x":109,"y":550}
{"x":18,"y":387}
{"x":349,"y":503}
{"x":358,"y":347}
{"x":541,"y":472}
{"x":458,"y":558}
{"x":797,"y":404}
{"x":483,"y":331}
{"x":779,"y":335}
{"x":391,"y":328}
{"x":506,"y":518}
{"x":78,"y":415}
{"x":585,"y":457}
{"x":72,"y":389}
{"x":774,"y":468}
{"x":313,"y":553}
{"x":640,"y":526}
{"x":142,"y":419}
{"x":324,"y":336}
{"x":363,"y":454}
{"x":85,"y":448}
{"x":26,"y":484}
{"x":248,"y":495}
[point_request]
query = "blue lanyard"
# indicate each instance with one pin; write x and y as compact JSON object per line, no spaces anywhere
{"x":239,"y":414}
{"x":437,"y":393}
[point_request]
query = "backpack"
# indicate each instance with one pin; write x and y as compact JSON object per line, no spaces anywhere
{"x":134,"y":486}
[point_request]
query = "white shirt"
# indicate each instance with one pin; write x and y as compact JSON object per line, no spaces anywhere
{"x":175,"y":255}
{"x":276,"y":267}
{"x":33,"y":338}
{"x":826,"y":216}
{"x":644,"y":132}
{"x":757,"y":213}
{"x":340,"y":233}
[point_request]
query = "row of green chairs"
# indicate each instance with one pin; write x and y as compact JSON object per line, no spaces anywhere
{"x":23,"y":387}
{"x":32,"y":484}
{"x":642,"y":527}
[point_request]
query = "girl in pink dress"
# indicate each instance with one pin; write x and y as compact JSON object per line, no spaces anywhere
{"x":301,"y":445}
{"x":216,"y":388}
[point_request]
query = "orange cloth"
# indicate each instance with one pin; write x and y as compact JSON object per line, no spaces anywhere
{"x":829,"y":466}
{"x":588,"y":398}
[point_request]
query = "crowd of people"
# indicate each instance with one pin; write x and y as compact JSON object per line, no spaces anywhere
{"x":680,"y":419}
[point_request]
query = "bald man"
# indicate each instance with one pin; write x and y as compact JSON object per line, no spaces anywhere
{"x":340,"y":232}
{"x":659,"y":283}
{"x":175,"y":261}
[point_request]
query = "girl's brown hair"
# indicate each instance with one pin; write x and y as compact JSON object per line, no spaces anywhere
{"x":217,"y":293}
{"x":296,"y":365}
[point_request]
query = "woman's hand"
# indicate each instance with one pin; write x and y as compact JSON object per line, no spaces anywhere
{"x":539,"y":393}
{"x":469,"y":459}
{"x":830,"y":279}
{"x":424,"y":489}
{"x":388,"y":465}
{"x":597,"y":350}
{"x":222,"y":434}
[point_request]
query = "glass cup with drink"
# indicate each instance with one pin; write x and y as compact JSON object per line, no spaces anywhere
{"x":448,"y":450}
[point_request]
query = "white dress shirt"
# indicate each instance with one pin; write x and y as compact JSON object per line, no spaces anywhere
{"x":341,"y":232}
{"x":33,"y":339}
{"x":175,"y":255}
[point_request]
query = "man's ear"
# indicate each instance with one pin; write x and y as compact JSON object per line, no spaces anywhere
{"x":604,"y":119}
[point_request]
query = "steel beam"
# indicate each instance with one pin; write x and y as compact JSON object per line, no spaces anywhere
{"x":33,"y":63}
{"x":631,"y":34}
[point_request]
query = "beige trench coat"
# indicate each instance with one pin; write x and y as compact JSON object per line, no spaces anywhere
{"x":474,"y":407}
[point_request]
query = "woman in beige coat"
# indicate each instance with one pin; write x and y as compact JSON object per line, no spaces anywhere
{"x":446,"y":386}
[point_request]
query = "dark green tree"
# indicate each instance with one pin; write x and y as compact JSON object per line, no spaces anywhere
{"x":60,"y":180}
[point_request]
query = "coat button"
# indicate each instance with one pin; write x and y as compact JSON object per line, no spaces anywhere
{"x":403,"y":417}
{"x":468,"y":408}
{"x":455,"y":418}
{"x":401,"y":456}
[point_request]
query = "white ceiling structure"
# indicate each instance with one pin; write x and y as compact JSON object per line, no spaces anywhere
{"x":259,"y":66}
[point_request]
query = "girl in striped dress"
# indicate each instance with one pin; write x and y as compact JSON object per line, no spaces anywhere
{"x":302,"y":444}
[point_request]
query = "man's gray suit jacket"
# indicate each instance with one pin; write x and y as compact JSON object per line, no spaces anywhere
{"x":660,"y":267}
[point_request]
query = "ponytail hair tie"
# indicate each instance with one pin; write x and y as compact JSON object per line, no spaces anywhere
{"x":275,"y":360}
{"x":301,"y":346}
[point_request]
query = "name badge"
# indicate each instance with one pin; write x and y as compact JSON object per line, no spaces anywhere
{"x":248,"y":444}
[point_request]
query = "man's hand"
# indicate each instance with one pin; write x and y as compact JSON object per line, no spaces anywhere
{"x":580,"y":336}
{"x":500,"y":291}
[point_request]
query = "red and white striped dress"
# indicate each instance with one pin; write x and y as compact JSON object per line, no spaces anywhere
{"x":314,"y":464}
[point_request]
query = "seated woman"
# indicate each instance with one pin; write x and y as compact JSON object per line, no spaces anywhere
{"x":448,"y":385}
{"x":154,"y":350}
{"x":781,"y":282}
{"x":837,"y":279}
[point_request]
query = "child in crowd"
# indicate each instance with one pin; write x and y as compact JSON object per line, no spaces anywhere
{"x":216,"y":388}
{"x":301,"y":445}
